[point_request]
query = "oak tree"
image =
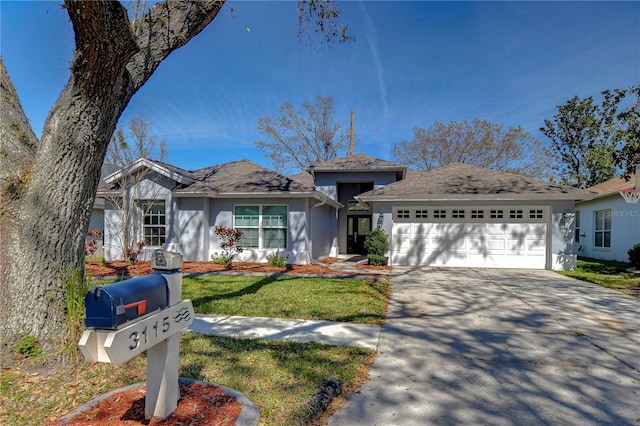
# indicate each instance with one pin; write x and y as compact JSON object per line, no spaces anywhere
{"x":48,"y":186}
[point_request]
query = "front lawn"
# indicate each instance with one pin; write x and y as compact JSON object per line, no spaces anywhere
{"x":346,"y":300}
{"x":607,"y":273}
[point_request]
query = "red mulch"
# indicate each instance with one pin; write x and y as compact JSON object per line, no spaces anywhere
{"x":97,"y":268}
{"x":199,"y":405}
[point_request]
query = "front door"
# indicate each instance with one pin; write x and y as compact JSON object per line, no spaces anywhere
{"x":358,"y":227}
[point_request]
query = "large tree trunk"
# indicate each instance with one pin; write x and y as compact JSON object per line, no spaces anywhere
{"x":47,"y":198}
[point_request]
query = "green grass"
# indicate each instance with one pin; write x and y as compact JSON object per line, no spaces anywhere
{"x":279,"y":376}
{"x":344,"y":300}
{"x":607,"y":273}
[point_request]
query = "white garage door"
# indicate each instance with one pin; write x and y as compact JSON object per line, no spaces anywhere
{"x":479,"y":237}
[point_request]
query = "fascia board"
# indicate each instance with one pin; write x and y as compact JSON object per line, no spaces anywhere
{"x":272,"y":194}
{"x":142,"y":163}
{"x":483,"y":197}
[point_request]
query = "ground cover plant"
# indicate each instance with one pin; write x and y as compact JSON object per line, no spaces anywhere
{"x":347,"y":300}
{"x":280,"y":377}
{"x":607,"y":273}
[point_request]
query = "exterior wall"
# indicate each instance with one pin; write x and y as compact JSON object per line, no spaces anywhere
{"x":625,"y":228}
{"x":298,"y":245}
{"x":154,"y":187}
{"x":560,"y":231}
{"x":323,"y":235}
{"x":193,"y":229}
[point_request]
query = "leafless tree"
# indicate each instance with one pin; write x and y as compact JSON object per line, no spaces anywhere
{"x":479,"y":143}
{"x":299,"y":139}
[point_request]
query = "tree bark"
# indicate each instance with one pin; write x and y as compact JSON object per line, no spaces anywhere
{"x":45,"y":215}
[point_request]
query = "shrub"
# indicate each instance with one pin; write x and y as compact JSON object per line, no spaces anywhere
{"x":376,"y":242}
{"x":634,"y":256}
{"x":27,"y":345}
{"x":230,"y":245}
{"x":276,"y":260}
{"x":377,"y":260}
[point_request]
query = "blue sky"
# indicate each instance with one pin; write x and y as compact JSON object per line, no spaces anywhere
{"x":412,"y":63}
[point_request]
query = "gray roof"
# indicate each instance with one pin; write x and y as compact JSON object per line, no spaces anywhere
{"x":242,"y":176}
{"x":463,"y":181}
{"x":304,"y":178}
{"x":356,"y":163}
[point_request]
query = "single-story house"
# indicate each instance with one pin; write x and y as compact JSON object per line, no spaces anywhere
{"x":457,"y":215}
{"x":606,"y":226}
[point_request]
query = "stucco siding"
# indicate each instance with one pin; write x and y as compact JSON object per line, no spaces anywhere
{"x":625,"y":227}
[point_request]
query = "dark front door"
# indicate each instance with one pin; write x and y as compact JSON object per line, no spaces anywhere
{"x":358,"y":227}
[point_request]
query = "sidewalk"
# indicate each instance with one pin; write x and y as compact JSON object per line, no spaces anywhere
{"x":296,"y":330}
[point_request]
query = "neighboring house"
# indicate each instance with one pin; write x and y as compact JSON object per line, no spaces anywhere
{"x":457,"y":215}
{"x":606,"y":226}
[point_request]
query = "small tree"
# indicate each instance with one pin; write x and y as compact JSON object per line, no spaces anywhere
{"x":377,"y":244}
{"x":230,"y":245}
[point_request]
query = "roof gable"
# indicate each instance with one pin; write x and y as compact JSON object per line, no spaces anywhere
{"x":355,"y":163}
{"x":174,"y":173}
{"x":458,"y":180}
{"x":613,"y":185}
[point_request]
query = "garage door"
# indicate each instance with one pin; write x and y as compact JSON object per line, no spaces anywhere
{"x":479,"y":237}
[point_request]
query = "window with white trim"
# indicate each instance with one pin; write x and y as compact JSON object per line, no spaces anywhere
{"x":602,"y":233}
{"x":154,"y":223}
{"x":263,"y":226}
{"x":576,"y":236}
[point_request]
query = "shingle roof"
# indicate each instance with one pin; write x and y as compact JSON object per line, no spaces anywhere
{"x":304,"y":178}
{"x":242,"y":176}
{"x":613,"y":185}
{"x":355,"y":162}
{"x":458,"y":180}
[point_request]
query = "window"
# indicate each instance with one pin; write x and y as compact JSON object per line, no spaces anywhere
{"x":439,"y":214}
{"x":154,"y":223}
{"x":515,"y":214}
{"x":262,"y":226}
{"x":497,"y":214}
{"x":403,"y":214}
{"x":603,"y":228}
{"x":535,"y":214}
{"x":422,"y":214}
{"x":457,"y":214}
{"x":576,"y":236}
{"x":477,"y":214}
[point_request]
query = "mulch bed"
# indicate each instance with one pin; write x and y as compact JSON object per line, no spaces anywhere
{"x":199,"y":405}
{"x":96,"y":268}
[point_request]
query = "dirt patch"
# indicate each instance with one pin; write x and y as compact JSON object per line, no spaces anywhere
{"x":199,"y":405}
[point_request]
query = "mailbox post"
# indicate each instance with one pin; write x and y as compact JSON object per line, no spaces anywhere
{"x":142,"y":314}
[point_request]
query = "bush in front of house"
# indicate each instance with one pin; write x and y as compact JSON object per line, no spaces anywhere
{"x":634,"y":256}
{"x":276,"y":260}
{"x":377,"y":244}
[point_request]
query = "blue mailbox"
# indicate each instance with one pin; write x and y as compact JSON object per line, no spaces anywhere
{"x":113,"y":305}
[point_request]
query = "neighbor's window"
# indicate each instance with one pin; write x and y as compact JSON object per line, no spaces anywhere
{"x":576,"y":236}
{"x":262,"y":226}
{"x":154,"y":223}
{"x":603,"y":228}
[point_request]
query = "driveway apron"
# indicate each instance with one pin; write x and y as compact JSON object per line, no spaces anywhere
{"x":501,"y":347}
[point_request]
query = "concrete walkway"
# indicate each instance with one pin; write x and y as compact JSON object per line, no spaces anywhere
{"x":500,"y":347}
{"x":297,"y":330}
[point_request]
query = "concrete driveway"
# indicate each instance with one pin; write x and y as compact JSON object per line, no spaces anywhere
{"x":502,"y":347}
